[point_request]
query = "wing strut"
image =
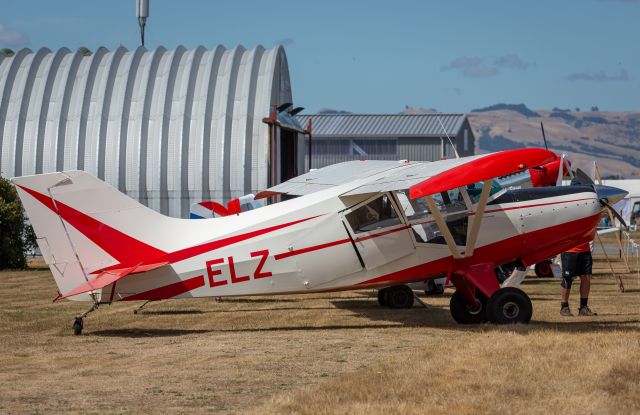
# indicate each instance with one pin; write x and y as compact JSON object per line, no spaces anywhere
{"x":472,"y":236}
{"x":437,"y":216}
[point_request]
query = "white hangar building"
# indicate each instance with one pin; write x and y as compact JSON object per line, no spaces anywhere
{"x":167,"y":127}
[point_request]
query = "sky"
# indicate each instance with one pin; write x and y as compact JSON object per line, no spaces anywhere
{"x":381,"y":56}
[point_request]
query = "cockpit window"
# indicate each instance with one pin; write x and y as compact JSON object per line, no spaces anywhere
{"x":474,"y":190}
{"x":450,"y":205}
{"x":377,"y":214}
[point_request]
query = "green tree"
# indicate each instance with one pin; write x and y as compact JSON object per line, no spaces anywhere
{"x":17,"y":238}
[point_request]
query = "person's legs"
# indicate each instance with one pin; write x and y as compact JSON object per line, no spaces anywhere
{"x":585,"y":284}
{"x":585,"y":287}
{"x":568,"y":264}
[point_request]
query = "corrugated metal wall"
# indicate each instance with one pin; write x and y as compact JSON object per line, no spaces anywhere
{"x":330,"y":151}
{"x":419,"y":149}
{"x":416,"y":137}
{"x":168,"y":127}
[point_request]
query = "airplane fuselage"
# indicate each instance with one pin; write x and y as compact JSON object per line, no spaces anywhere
{"x":309,"y":244}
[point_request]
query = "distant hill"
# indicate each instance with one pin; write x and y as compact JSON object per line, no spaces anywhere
{"x":611,"y":138}
{"x":519,"y":108}
{"x":331,"y":111}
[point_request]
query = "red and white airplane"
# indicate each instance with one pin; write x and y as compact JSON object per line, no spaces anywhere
{"x":353,"y":225}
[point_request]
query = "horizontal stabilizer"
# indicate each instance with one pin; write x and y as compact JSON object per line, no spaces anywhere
{"x":105,"y":278}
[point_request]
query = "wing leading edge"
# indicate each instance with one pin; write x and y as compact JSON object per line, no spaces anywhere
{"x":484,"y":168}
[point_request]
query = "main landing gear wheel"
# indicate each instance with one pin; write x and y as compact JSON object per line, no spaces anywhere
{"x":397,"y":296}
{"x":382,"y":297}
{"x":463,"y":314}
{"x":509,"y":305}
{"x":543,"y":269}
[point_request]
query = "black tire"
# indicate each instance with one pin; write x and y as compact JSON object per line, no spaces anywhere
{"x":399,"y":296}
{"x":461,"y":312}
{"x":509,"y":305}
{"x":382,"y":297}
{"x":543,"y":269}
{"x":77,"y":326}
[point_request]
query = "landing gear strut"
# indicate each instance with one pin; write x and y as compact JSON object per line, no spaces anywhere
{"x":397,"y":296}
{"x":78,"y":322}
{"x":137,"y":310}
{"x":470,"y":305}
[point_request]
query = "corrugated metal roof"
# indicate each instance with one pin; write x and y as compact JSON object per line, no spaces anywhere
{"x":383,"y":125}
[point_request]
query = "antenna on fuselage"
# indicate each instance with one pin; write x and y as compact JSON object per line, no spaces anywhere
{"x":448,"y":138}
{"x":544,"y":137}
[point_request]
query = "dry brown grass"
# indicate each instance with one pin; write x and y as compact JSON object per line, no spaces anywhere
{"x":338,"y":353}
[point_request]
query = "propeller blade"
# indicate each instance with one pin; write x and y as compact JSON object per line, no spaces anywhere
{"x":613,"y":212}
{"x":583,"y":177}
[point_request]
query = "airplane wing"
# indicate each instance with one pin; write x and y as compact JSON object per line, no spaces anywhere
{"x":331,"y":176}
{"x":110,"y":276}
{"x":483,"y":168}
{"x":421,"y":176}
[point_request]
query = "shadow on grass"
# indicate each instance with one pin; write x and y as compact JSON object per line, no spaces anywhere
{"x":375,"y":317}
{"x":538,"y":281}
{"x":169,"y":312}
{"x":239,"y":310}
{"x":438,"y":317}
{"x":145,"y":332}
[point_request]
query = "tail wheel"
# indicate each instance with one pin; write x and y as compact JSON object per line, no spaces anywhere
{"x":78,"y":325}
{"x":463,"y":314}
{"x":399,"y":296}
{"x":543,"y":269}
{"x":509,"y":305}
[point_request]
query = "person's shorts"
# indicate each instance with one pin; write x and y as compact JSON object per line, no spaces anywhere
{"x":575,"y":264}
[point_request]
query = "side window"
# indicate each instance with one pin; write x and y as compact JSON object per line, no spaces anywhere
{"x":451,"y":206}
{"x":474,"y":190}
{"x":636,"y":213}
{"x":378,"y":213}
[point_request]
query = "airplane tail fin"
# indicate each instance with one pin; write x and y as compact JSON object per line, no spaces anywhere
{"x":85,"y":227}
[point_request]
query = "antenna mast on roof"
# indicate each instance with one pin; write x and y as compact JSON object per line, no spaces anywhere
{"x":448,"y":138}
{"x":142,"y":12}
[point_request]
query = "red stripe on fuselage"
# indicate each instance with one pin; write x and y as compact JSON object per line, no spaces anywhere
{"x":502,"y":251}
{"x":132,"y":252}
{"x":190,"y":252}
{"x":168,"y":291}
{"x":309,"y":249}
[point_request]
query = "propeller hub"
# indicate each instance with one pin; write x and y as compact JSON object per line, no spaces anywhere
{"x":610,"y":194}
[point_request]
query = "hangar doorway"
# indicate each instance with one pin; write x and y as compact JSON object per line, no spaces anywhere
{"x":287,"y":139}
{"x":289,"y":154}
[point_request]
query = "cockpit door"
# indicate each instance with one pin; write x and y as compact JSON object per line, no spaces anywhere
{"x":378,"y":231}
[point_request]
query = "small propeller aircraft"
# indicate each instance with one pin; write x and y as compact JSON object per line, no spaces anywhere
{"x":348,"y":226}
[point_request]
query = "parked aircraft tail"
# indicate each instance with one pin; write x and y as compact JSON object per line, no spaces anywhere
{"x":89,"y":233}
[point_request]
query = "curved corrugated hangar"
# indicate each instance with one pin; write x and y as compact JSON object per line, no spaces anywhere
{"x":168,"y":127}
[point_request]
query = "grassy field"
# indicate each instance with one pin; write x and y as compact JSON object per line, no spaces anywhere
{"x":338,"y":353}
